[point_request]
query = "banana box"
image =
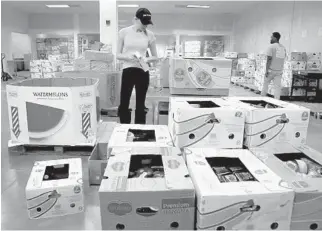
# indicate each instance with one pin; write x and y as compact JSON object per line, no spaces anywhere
{"x":271,"y":122}
{"x":236,"y":191}
{"x":205,"y":122}
{"x":301,"y":167}
{"x":55,"y":188}
{"x":147,"y":192}
{"x":314,"y":56}
{"x":298,"y":65}
{"x":299,"y":56}
{"x":314,"y":65}
{"x":210,"y":75}
{"x":134,"y":135}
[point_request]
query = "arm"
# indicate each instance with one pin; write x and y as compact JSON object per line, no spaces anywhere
{"x":269,"y":62}
{"x":154,"y":53}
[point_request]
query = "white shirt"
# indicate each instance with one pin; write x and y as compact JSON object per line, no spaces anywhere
{"x":278,"y":53}
{"x":135,"y":42}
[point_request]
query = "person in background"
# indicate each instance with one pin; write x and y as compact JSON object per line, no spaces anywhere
{"x":134,"y":40}
{"x":276,"y":54}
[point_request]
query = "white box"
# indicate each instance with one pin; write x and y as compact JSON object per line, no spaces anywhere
{"x":274,"y":125}
{"x":99,"y":55}
{"x":205,"y":122}
{"x":236,"y":191}
{"x":314,"y":65}
{"x":231,"y":55}
{"x":56,"y":111}
{"x":314,"y":56}
{"x":55,"y":188}
{"x":298,"y":65}
{"x":147,"y":192}
{"x":101,"y":66}
{"x":82,"y":65}
{"x":285,"y":161}
{"x":210,"y":74}
{"x":133,"y":135}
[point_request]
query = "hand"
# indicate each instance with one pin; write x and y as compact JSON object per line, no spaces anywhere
{"x":133,"y":59}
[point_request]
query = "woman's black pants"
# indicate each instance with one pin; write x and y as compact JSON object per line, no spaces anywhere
{"x":133,"y":77}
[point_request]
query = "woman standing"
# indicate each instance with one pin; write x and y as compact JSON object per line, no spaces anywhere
{"x":134,"y":41}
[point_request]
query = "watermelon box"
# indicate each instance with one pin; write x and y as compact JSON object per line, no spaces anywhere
{"x":55,"y":188}
{"x":57,"y":111}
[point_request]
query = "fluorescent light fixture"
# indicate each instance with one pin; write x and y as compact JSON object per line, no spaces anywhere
{"x":198,"y":6}
{"x":130,"y":6}
{"x":57,"y":6}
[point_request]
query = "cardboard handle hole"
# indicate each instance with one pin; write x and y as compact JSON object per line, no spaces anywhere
{"x":231,"y":136}
{"x":314,"y":226}
{"x":297,"y":135}
{"x":120,"y":227}
{"x":38,"y":209}
{"x":192,"y":136}
{"x":274,"y":225}
{"x":221,"y":228}
{"x":174,"y":225}
{"x":263,"y":136}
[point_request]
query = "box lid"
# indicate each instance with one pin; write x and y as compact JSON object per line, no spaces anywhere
{"x":277,"y":158}
{"x":207,"y":183}
{"x":122,"y":172}
{"x":55,"y":173}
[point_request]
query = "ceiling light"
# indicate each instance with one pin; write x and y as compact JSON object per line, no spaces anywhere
{"x":198,"y":6}
{"x":57,"y":6}
{"x":131,"y":6}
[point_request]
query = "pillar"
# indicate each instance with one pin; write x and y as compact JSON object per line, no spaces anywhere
{"x":109,"y":23}
{"x":76,"y":32}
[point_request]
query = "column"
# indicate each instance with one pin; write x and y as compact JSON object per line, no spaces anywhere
{"x":76,"y":32}
{"x":109,"y":23}
{"x":177,"y":45}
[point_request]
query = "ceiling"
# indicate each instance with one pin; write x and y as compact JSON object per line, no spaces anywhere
{"x":156,"y":7}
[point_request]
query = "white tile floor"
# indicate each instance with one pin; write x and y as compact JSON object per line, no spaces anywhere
{"x":15,"y":169}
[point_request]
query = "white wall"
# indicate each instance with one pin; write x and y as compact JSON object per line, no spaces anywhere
{"x":254,"y":28}
{"x":11,"y":21}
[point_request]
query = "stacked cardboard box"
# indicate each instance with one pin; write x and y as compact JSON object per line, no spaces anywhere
{"x":261,"y":61}
{"x":314,"y":61}
{"x":299,"y":60}
{"x":42,"y":69}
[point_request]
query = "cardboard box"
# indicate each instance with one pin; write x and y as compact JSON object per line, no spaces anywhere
{"x":55,"y":188}
{"x":200,"y":73}
{"x":82,"y":65}
{"x":299,"y":56}
{"x":36,"y":75}
{"x":99,"y":56}
{"x":98,"y":159}
{"x":314,"y":65}
{"x":133,"y":135}
{"x":160,"y":112}
{"x":101,"y":66}
{"x":231,"y":55}
{"x":271,"y":122}
{"x":298,"y":65}
{"x":147,"y":192}
{"x":301,"y":167}
{"x":109,"y":86}
{"x":314,"y":56}
{"x":43,"y":111}
{"x":205,"y":122}
{"x":236,"y":191}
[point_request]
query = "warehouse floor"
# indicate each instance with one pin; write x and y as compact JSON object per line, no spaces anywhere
{"x":15,"y":170}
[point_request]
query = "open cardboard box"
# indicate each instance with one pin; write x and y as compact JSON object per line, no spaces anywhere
{"x":132,"y":135}
{"x":205,"y":122}
{"x":147,"y":191}
{"x":271,"y":122}
{"x":301,"y":167}
{"x":55,"y":188}
{"x":43,"y":111}
{"x":236,"y":191}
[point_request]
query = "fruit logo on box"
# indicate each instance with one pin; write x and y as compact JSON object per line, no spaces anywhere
{"x":119,"y":209}
{"x":203,"y":78}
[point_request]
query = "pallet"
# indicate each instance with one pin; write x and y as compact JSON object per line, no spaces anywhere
{"x":27,"y":149}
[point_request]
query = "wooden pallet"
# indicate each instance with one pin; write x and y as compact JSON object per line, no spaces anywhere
{"x":56,"y":150}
